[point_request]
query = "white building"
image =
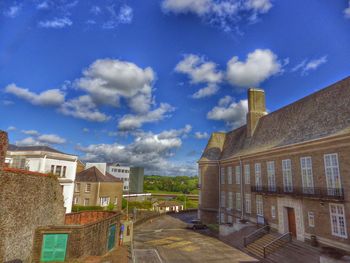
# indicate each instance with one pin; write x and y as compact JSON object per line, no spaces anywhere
{"x":44,"y":159}
{"x":121,"y":172}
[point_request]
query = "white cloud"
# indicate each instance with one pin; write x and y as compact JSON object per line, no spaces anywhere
{"x":347,"y":11}
{"x":124,"y":16}
{"x":108,"y":80}
{"x":86,"y":130}
{"x":231,"y":112}
{"x":259,"y":66}
{"x":132,"y":121}
{"x":51,"y":139}
{"x":201,"y":135}
{"x":148,"y":150}
{"x":46,"y":98}
{"x":206,"y":92}
{"x":225,"y":14}
{"x":43,"y":5}
{"x":56,"y":23}
{"x":12,"y":11}
{"x":306,"y":65}
{"x":83,"y":108}
{"x":44,"y":139}
{"x":95,"y":10}
{"x":30,"y":132}
{"x":11,"y":128}
{"x":199,"y":70}
{"x":199,"y":7}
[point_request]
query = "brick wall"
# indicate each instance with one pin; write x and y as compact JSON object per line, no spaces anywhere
{"x":3,"y":147}
{"x":83,"y":240}
{"x":26,"y":202}
{"x":86,"y":217}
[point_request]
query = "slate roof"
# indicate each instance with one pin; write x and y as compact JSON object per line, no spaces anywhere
{"x":43,"y":148}
{"x":322,"y":114}
{"x":95,"y":175}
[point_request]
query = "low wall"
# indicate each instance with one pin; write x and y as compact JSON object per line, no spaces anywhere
{"x":83,"y":240}
{"x":3,"y":148}
{"x":86,"y":217}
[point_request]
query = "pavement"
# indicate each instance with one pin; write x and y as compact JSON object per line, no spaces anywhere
{"x":166,"y":240}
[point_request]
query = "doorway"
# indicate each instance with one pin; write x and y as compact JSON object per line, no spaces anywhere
{"x":291,"y":221}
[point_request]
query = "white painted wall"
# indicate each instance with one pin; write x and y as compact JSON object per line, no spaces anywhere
{"x":101,"y":166}
{"x":116,"y":172}
{"x":41,"y":163}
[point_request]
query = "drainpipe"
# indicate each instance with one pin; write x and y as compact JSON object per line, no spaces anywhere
{"x":98,"y":193}
{"x":242,"y":191}
{"x":219,"y":192}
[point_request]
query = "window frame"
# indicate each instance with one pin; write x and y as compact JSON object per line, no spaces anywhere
{"x":258,"y":176}
{"x":307,"y":174}
{"x":337,"y":216}
{"x":287,"y":176}
{"x":87,"y":188}
{"x":238,"y":174}
{"x":271,"y":176}
{"x":259,"y":205}
{"x":246,"y":173}
{"x":332,"y":180}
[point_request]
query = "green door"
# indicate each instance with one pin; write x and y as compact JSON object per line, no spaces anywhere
{"x":111,"y":237}
{"x":54,"y":247}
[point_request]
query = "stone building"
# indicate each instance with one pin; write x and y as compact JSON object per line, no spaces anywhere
{"x":289,"y":168}
{"x":94,"y":188}
{"x":27,"y":200}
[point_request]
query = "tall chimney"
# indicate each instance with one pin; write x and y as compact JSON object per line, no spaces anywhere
{"x":256,"y":109}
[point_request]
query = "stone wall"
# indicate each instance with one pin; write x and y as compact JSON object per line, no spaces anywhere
{"x":83,"y":240}
{"x":27,"y":201}
{"x":3,"y":147}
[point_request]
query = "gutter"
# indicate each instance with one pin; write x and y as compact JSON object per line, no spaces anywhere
{"x":219,"y":192}
{"x":242,"y":188}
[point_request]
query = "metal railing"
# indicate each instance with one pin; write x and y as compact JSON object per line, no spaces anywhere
{"x":277,"y":242}
{"x":256,"y":235}
{"x":309,"y":192}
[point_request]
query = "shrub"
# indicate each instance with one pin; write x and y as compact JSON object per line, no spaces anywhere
{"x":78,"y":208}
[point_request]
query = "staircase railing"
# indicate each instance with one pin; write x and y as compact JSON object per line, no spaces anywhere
{"x":279,"y":241}
{"x":256,"y":235}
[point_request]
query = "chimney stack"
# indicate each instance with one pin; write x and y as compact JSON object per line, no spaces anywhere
{"x":256,"y":109}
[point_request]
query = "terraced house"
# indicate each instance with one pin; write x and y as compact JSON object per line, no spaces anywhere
{"x":289,"y":168}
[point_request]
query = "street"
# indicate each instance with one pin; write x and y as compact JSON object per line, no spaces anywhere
{"x":166,"y":240}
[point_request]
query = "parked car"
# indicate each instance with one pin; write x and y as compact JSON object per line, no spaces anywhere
{"x":196,"y":224}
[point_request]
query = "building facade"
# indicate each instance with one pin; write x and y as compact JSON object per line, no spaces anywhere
{"x":44,"y":159}
{"x":136,"y":180}
{"x":120,"y":172}
{"x":93,"y":188}
{"x":289,"y":168}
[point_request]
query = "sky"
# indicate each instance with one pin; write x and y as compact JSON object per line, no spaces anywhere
{"x":145,"y":83}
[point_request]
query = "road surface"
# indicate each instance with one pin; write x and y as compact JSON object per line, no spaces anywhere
{"x":166,"y":240}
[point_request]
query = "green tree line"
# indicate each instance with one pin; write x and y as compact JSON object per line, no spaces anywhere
{"x":181,"y":184}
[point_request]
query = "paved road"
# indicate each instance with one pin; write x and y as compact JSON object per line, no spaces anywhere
{"x":166,"y":240}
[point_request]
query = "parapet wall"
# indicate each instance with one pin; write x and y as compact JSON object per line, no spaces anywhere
{"x":3,"y":148}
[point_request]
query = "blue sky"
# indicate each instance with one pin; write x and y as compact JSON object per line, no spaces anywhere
{"x":146,"y":82}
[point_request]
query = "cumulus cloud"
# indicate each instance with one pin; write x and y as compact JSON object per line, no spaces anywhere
{"x":347,"y":11}
{"x":231,"y":112}
{"x":12,"y":11}
{"x":259,"y":66}
{"x":199,"y":70}
{"x":108,"y":80}
{"x":201,"y":135}
{"x":46,"y":98}
{"x":306,"y":65}
{"x":148,"y":150}
{"x":225,"y":14}
{"x":84,"y":108}
{"x":134,"y":121}
{"x":44,"y":139}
